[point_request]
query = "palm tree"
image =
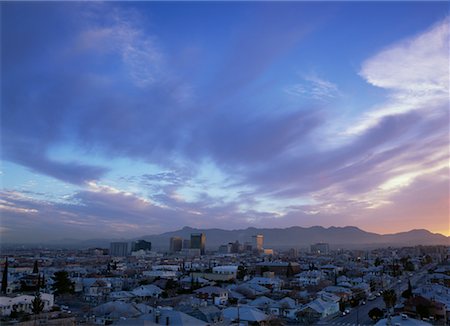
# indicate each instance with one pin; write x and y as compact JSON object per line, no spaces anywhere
{"x":389,"y":298}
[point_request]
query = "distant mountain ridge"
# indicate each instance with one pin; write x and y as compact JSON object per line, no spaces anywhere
{"x":349,"y":237}
{"x":296,"y":237}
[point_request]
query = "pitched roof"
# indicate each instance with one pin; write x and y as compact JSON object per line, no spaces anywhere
{"x":211,"y":290}
{"x":287,"y":302}
{"x":262,"y":301}
{"x":245,"y":314}
{"x":176,"y":318}
{"x":146,"y":290}
{"x":117,"y":309}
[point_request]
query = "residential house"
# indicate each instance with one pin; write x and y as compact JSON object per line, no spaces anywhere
{"x":23,"y":303}
{"x":317,"y":309}
{"x":273,"y":283}
{"x":219,"y":296}
{"x":308,"y":278}
{"x":249,"y":315}
{"x":145,"y":292}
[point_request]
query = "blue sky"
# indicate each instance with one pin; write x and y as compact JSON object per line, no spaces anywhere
{"x":124,"y":119}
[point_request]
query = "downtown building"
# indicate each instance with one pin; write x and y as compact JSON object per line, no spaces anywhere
{"x":198,"y":241}
{"x":141,"y":245}
{"x":118,"y":249}
{"x":176,"y":244}
{"x":258,"y":243}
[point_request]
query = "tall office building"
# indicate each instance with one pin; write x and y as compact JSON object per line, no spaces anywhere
{"x":141,"y":245}
{"x":118,"y":249}
{"x":225,"y":249}
{"x":236,"y":247}
{"x":198,"y":241}
{"x":258,"y":242}
{"x":320,"y":248}
{"x":247,"y":246}
{"x":176,"y":243}
{"x":186,"y":244}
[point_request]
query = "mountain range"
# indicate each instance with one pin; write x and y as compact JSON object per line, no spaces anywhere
{"x":293,"y":237}
{"x":297,"y":237}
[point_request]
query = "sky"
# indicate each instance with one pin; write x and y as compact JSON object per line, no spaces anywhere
{"x":125,"y":119}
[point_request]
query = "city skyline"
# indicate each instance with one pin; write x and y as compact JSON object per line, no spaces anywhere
{"x":126,"y":119}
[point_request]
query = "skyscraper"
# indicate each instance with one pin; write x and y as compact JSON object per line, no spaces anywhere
{"x":258,"y":242}
{"x":186,"y":244}
{"x":141,"y":245}
{"x":198,"y":241}
{"x":176,"y":244}
{"x":119,"y":249}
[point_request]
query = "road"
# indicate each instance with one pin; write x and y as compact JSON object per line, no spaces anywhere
{"x":360,"y":315}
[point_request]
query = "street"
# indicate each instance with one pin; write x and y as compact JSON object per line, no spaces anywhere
{"x":360,"y":315}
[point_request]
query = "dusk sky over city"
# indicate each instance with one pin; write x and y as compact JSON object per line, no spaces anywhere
{"x":125,"y":119}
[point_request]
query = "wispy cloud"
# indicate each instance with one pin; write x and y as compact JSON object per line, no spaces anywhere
{"x":415,"y":72}
{"x":314,"y":88}
{"x":121,"y":33}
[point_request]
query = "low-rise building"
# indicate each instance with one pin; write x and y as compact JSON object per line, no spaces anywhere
{"x":219,"y":296}
{"x":309,"y":278}
{"x":23,"y":303}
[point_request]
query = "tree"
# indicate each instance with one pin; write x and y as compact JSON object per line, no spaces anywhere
{"x":378,"y":261}
{"x":62,"y":283}
{"x":14,"y":313}
{"x":171,"y":284}
{"x":232,"y":301}
{"x":289,"y":271}
{"x":37,"y":305}
{"x":43,"y":281}
{"x":373,"y":286}
{"x":264,"y":269}
{"x":427,"y":260}
{"x":35,"y":267}
{"x":38,"y":285}
{"x":144,"y":282}
{"x":375,"y":313}
{"x":409,"y":267}
{"x":423,"y":311}
{"x":241,"y":272}
{"x":408,"y":292}
{"x":354,"y":302}
{"x":5,"y":277}
{"x":274,"y":321}
{"x":389,"y":298}
{"x":306,"y":317}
